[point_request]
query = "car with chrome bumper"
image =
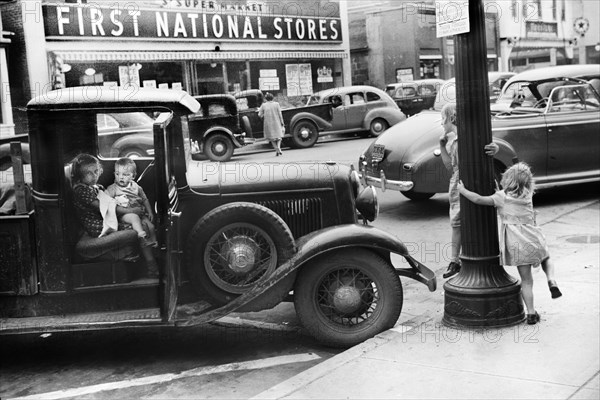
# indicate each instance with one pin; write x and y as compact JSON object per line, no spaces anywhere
{"x":555,"y":131}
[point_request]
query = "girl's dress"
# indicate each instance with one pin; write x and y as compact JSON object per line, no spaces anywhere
{"x":89,"y":215}
{"x":521,"y":240}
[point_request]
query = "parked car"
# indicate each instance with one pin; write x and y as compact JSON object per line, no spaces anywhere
{"x":302,"y":124}
{"x":556,"y":133}
{"x":218,"y":128}
{"x":230,"y":240}
{"x":532,"y":88}
{"x":447,"y":93}
{"x":415,"y":96}
{"x":125,"y":134}
{"x":361,"y":109}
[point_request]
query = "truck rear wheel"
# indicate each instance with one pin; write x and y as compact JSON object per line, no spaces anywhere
{"x":218,"y":147}
{"x":234,"y":247}
{"x":304,"y":134}
{"x":347,"y":297}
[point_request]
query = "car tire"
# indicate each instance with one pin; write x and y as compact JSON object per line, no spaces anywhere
{"x":218,"y":147}
{"x":417,"y":196}
{"x":378,"y":126}
{"x":132,"y":152}
{"x":304,"y":135}
{"x":234,"y":247}
{"x":346,"y":297}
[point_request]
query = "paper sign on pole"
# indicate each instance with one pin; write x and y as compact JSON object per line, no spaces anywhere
{"x":451,"y":17}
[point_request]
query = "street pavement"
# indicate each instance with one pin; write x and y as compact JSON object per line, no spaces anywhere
{"x":420,"y":358}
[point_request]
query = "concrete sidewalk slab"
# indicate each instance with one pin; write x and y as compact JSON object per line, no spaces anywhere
{"x":421,"y":358}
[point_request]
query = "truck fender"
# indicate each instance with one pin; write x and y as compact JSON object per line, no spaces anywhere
{"x":318,"y":243}
{"x":320,"y":122}
{"x":221,"y":129}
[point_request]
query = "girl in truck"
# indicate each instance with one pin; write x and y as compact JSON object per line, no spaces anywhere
{"x":86,"y":172}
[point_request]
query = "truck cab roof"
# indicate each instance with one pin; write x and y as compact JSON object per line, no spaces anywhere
{"x":85,"y":96}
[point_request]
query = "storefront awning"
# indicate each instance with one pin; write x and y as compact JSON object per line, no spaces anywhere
{"x":88,"y":56}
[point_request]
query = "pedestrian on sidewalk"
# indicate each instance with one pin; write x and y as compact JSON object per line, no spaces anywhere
{"x":449,"y":153}
{"x":522,"y":242}
{"x":273,"y":125}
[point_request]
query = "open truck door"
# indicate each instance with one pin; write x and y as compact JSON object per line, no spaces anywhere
{"x":167,"y":202}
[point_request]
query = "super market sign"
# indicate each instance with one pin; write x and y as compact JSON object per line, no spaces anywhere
{"x":93,"y":21}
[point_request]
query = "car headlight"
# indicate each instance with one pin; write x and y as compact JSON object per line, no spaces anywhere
{"x":367,"y":204}
{"x":355,"y":182}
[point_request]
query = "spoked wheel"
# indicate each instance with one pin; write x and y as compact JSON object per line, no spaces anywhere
{"x":304,"y":134}
{"x":218,"y":147}
{"x":345,"y":298}
{"x":234,"y":247}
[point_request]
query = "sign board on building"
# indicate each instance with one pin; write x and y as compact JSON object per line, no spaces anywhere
{"x":119,"y":20}
{"x":451,"y":17}
{"x":324,"y":74}
{"x":404,"y":75}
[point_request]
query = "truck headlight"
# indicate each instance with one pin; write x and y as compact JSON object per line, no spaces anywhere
{"x":367,"y":203}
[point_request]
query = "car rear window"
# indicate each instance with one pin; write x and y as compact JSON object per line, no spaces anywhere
{"x":373,"y":96}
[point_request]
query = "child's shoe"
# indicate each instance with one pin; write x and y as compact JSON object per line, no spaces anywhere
{"x":554,"y":290}
{"x":533,"y":319}
{"x":453,"y":269}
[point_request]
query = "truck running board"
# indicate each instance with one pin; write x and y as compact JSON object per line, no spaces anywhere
{"x":102,"y":320}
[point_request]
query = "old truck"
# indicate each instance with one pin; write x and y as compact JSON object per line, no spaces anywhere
{"x":302,"y":124}
{"x":229,"y":240}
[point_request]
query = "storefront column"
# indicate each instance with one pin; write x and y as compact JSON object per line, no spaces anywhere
{"x":505,"y":50}
{"x":552,"y":56}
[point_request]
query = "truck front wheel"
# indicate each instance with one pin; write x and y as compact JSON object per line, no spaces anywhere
{"x":218,"y":147}
{"x":347,"y":297}
{"x":304,"y":134}
{"x":234,"y":247}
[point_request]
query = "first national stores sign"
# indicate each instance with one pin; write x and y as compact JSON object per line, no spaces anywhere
{"x":87,"y":21}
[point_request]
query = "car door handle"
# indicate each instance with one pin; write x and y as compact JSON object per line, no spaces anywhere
{"x":174,"y":214}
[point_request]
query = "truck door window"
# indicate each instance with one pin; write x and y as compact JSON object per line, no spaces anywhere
{"x":127,"y":134}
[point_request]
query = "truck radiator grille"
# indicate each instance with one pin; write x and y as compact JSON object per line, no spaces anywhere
{"x":302,"y":215}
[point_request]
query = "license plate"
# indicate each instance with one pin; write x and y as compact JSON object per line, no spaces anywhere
{"x":378,"y":152}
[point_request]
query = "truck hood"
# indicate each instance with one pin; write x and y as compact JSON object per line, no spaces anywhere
{"x":252,"y":177}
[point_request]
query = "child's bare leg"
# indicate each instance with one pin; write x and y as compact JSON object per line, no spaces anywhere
{"x":527,"y":287}
{"x":456,"y":243}
{"x":136,"y":223}
{"x":149,"y":228}
{"x":150,"y":261}
{"x":548,"y":267}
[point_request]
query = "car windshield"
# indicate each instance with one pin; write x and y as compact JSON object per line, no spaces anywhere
{"x":527,"y":94}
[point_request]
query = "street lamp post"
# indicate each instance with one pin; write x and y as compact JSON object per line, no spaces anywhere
{"x":483,"y":294}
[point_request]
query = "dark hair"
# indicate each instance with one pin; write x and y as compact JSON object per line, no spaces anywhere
{"x":126,"y":162}
{"x":80,"y":162}
{"x":269,"y":96}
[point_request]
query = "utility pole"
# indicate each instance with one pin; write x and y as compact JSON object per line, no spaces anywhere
{"x":483,"y":294}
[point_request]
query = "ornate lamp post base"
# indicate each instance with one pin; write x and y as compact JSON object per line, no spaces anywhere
{"x":482,"y":295}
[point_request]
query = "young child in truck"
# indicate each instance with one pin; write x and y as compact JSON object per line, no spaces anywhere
{"x":129,"y":194}
{"x":86,"y":172}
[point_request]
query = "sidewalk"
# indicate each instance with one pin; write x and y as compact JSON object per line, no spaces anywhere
{"x":422,"y":359}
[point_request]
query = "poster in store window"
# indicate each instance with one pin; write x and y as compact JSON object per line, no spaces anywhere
{"x":129,"y":75}
{"x":298,"y":79}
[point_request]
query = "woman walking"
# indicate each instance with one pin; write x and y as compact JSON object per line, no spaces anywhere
{"x":273,"y":125}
